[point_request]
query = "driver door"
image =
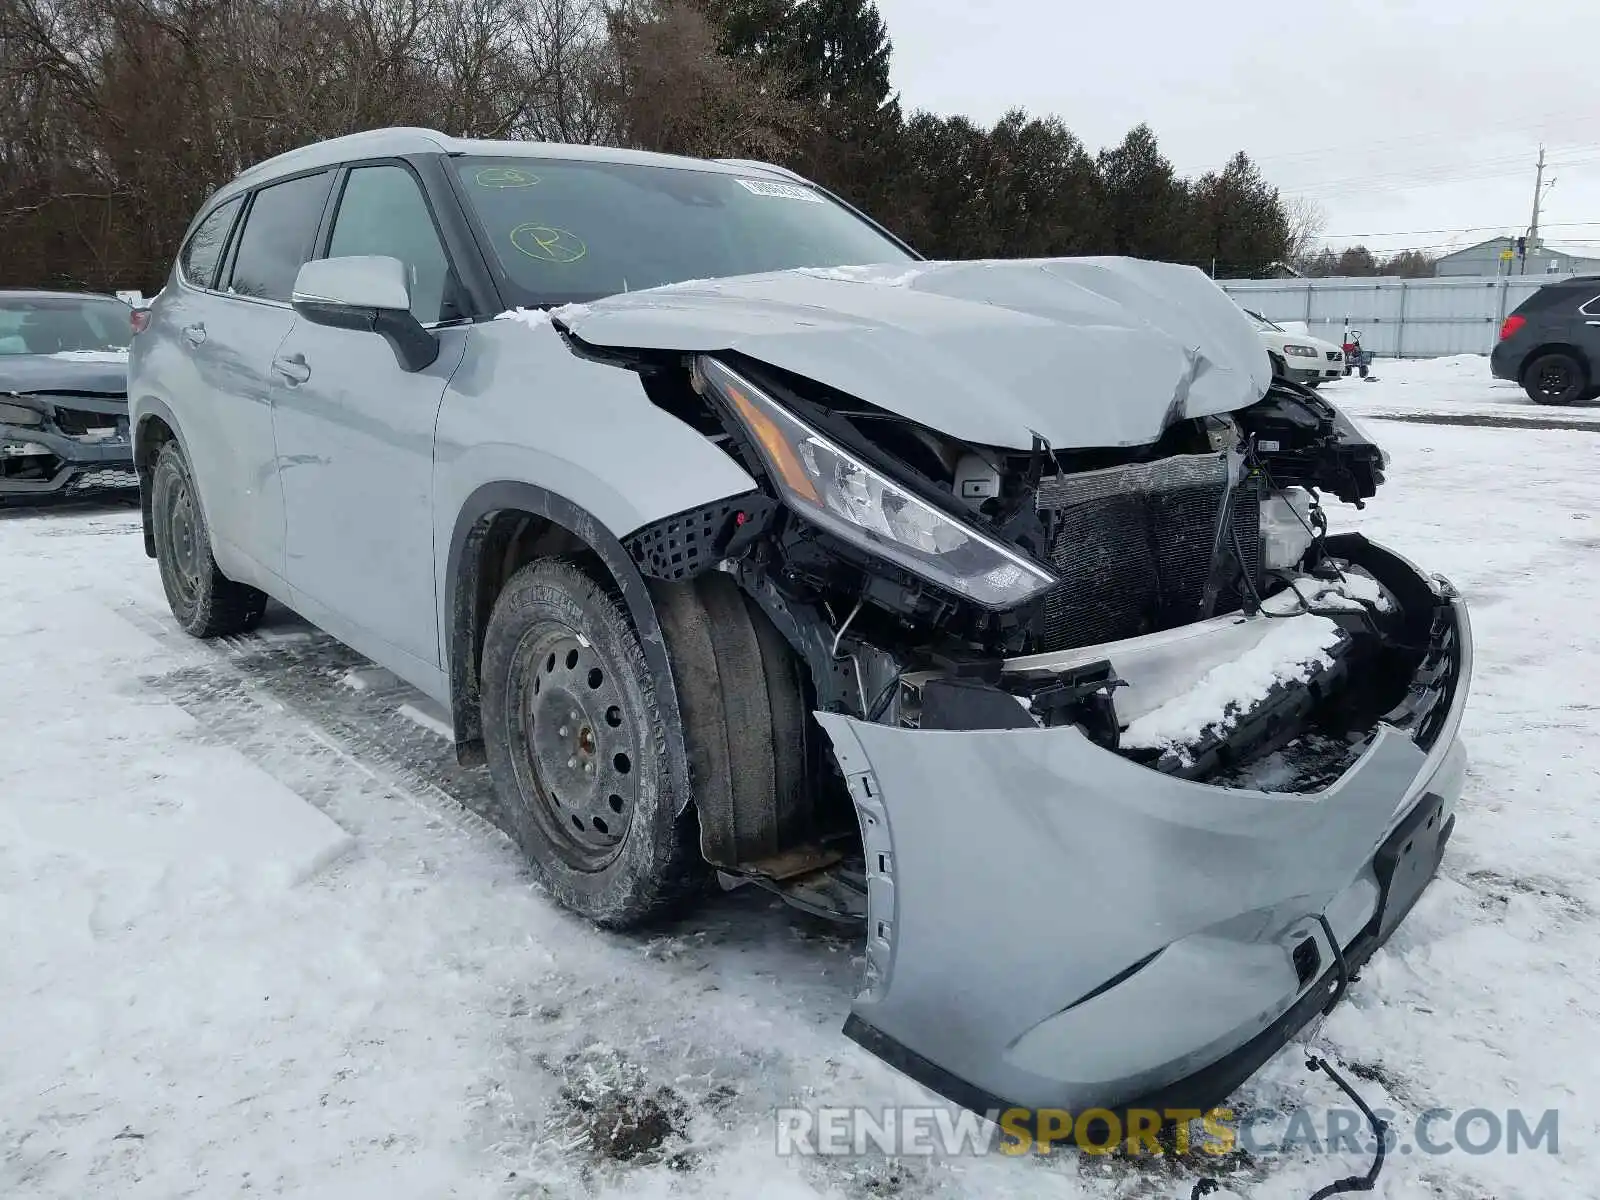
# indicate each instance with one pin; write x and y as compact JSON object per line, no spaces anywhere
{"x":355,"y":439}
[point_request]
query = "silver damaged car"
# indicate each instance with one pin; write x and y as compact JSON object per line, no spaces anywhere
{"x":989,"y":606}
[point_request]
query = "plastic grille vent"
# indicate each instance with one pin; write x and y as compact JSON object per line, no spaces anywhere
{"x":1134,"y":544}
{"x":107,"y":478}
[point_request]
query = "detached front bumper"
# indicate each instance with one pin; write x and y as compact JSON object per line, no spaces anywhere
{"x":55,"y":446}
{"x":1052,"y":926}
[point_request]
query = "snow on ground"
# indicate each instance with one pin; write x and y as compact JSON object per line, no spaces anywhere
{"x":1457,"y":387}
{"x":252,"y":939}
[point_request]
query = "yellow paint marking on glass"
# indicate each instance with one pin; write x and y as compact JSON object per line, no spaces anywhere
{"x":548,"y":243}
{"x":504,"y":177}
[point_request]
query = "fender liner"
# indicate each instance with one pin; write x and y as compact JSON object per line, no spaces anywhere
{"x":466,"y":632}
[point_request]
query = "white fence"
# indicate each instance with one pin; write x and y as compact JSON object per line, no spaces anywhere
{"x":1399,"y":318}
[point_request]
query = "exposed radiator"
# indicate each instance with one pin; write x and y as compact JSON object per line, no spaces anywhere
{"x":1134,"y":546}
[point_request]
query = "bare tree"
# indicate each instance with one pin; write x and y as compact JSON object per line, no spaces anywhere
{"x":675,"y":92}
{"x":118,"y":117}
{"x":1307,"y":220}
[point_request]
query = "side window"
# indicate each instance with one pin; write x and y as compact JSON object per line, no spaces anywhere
{"x":1591,"y":308}
{"x":278,"y":233}
{"x":204,"y":248}
{"x":383,"y":212}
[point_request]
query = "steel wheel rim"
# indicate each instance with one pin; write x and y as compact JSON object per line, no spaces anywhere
{"x":183,"y":538}
{"x":579,"y":761}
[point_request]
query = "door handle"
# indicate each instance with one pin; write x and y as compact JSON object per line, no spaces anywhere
{"x":293,"y":368}
{"x":195,"y":333}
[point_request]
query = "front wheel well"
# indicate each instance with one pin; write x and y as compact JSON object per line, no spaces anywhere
{"x":496,"y":546}
{"x":690,"y":639}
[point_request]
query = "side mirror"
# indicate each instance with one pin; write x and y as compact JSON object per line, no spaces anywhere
{"x":367,"y":293}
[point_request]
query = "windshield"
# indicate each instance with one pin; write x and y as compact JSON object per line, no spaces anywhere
{"x":1263,"y":323}
{"x":566,"y":231}
{"x":62,"y":324}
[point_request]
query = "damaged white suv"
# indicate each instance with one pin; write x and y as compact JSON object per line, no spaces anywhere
{"x":988,"y":605}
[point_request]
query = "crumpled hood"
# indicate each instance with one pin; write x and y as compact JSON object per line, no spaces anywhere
{"x":97,"y":371}
{"x":1085,"y":352}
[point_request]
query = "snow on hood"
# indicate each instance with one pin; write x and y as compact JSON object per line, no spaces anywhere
{"x":1085,"y":352}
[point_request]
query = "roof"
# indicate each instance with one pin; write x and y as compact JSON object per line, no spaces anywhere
{"x":399,"y":141}
{"x":1499,"y":243}
{"x":1587,"y":253}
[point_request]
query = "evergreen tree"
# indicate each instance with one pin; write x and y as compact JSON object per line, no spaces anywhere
{"x":1239,"y":221}
{"x":835,"y":57}
{"x":1146,"y":205}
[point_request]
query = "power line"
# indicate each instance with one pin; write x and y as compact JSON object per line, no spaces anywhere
{"x":1536,"y":123}
{"x":1328,"y":237}
{"x":1439,"y":249}
{"x":1439,"y":175}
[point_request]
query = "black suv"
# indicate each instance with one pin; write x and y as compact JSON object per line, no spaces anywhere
{"x":1551,"y":343}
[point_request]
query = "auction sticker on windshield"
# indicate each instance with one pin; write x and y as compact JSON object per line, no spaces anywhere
{"x":784,"y":191}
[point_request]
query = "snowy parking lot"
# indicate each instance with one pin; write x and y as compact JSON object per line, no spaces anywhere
{"x":254,"y":941}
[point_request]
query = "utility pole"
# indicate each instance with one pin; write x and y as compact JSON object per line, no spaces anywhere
{"x":1538,"y":199}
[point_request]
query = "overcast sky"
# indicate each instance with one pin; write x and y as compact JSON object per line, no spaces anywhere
{"x":1410,"y":119}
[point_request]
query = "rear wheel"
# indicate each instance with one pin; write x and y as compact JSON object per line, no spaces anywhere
{"x":1556,"y":378}
{"x":205,"y":602}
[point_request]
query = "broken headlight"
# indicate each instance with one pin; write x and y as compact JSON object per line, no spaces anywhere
{"x":828,"y":485}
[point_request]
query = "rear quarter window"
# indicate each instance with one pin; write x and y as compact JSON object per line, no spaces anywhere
{"x":203,"y":251}
{"x":1559,"y":296}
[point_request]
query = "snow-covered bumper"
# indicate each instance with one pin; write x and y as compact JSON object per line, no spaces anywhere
{"x":1053,"y":926}
{"x":60,"y":445}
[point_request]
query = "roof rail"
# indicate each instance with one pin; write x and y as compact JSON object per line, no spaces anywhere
{"x":389,"y":134}
{"x":766,"y":166}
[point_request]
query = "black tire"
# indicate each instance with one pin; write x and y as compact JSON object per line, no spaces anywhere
{"x":744,"y":720}
{"x":205,"y":602}
{"x":1555,"y":378}
{"x":615,"y":849}
{"x":1279,"y":367}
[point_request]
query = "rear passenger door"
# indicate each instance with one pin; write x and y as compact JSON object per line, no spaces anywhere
{"x":230,"y":320}
{"x":355,"y":436}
